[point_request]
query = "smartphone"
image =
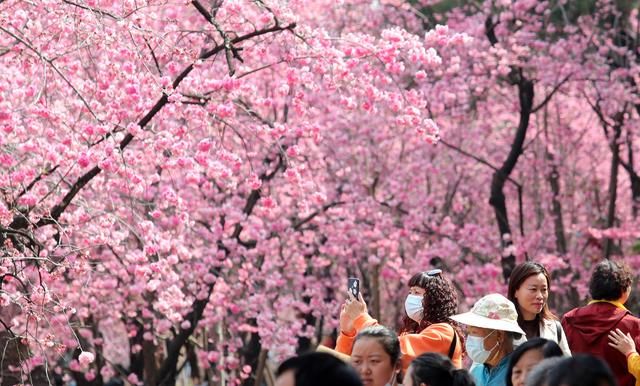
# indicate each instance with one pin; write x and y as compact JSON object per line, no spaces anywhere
{"x":353,"y":285}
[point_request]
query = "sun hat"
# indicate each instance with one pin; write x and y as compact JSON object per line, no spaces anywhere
{"x":492,"y":311}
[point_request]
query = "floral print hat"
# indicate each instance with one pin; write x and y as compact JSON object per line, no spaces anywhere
{"x":493,"y":311}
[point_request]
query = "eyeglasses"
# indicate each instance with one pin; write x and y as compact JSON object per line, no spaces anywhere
{"x":434,"y":272}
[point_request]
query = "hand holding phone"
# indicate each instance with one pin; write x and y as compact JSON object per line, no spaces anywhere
{"x":353,"y":286}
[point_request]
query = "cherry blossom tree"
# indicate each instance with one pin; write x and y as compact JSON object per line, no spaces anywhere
{"x":542,"y":158}
{"x":187,"y":185}
{"x":183,"y":181}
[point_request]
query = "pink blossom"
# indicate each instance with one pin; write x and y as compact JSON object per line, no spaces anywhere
{"x":131,"y":89}
{"x":86,"y":358}
{"x":254,"y":182}
{"x":28,"y":200}
{"x":83,"y":160}
{"x":213,"y":356}
{"x":204,"y":145}
{"x":90,"y":376}
{"x":133,"y":379}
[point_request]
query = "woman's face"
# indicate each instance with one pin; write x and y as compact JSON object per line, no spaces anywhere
{"x":526,"y":362}
{"x":532,"y":295}
{"x":415,"y":290}
{"x":372,"y":362}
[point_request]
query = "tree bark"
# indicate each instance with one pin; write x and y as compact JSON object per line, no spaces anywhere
{"x":613,"y":185}
{"x":556,"y":206}
{"x":634,"y":178}
{"x":375,"y":292}
{"x":251,"y":353}
{"x":497,"y":198}
{"x":166,"y":375}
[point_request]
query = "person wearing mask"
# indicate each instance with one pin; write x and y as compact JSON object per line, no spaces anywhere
{"x":316,"y":369}
{"x":376,"y":356}
{"x":625,"y":344}
{"x":435,"y":369}
{"x":529,"y":287}
{"x":527,"y":356}
{"x":587,"y":327}
{"x":492,"y":328}
{"x":427,"y":324}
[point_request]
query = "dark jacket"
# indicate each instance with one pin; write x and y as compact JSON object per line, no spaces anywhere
{"x":587,"y":329}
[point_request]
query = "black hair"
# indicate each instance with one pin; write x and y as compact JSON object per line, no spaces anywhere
{"x":581,"y":370}
{"x":539,"y":375}
{"x":319,"y":369}
{"x":387,"y":338}
{"x":521,"y":273}
{"x":439,"y":303}
{"x":609,"y":280}
{"x":437,"y":370}
{"x":548,"y":348}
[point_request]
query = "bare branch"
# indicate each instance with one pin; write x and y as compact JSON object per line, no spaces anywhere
{"x":153,"y":55}
{"x":92,"y":9}
{"x":310,"y":217}
{"x":550,"y":95}
{"x":229,"y":50}
{"x":480,"y":160}
{"x":55,"y":68}
{"x":38,"y":178}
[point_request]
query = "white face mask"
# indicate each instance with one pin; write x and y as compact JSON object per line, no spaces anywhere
{"x":475,"y":348}
{"x":413,"y":307}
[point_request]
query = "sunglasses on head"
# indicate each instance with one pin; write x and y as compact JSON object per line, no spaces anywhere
{"x":434,"y":272}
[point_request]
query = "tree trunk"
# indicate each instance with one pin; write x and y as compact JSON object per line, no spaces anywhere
{"x":167,"y":372}
{"x":634,"y":178}
{"x":262,"y":366}
{"x":375,"y":292}
{"x":497,"y":198}
{"x":556,"y":206}
{"x":251,"y":353}
{"x":305,"y":343}
{"x":149,"y":360}
{"x":613,"y":186}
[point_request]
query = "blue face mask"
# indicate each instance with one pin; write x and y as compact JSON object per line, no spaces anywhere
{"x":475,"y":348}
{"x":413,"y":307}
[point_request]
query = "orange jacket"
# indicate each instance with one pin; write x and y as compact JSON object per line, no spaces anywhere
{"x":435,"y":338}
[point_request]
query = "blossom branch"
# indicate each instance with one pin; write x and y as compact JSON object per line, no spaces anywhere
{"x":550,"y":95}
{"x":229,"y":50}
{"x":82,"y":181}
{"x":55,"y":68}
{"x":313,"y":215}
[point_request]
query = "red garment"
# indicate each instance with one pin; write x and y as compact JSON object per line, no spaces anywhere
{"x":587,"y":329}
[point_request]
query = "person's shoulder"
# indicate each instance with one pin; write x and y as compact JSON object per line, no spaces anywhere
{"x":571,"y":312}
{"x":631,"y":319}
{"x":441,"y":327}
{"x":476,"y":369}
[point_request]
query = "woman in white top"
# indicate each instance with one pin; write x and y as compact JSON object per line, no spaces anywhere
{"x":529,"y":291}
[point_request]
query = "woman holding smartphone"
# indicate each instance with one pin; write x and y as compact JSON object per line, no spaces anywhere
{"x":427,"y":326}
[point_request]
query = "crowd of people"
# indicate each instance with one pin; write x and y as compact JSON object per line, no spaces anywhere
{"x":514,"y":340}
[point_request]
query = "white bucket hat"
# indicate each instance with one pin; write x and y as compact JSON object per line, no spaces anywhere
{"x":493,"y":311}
